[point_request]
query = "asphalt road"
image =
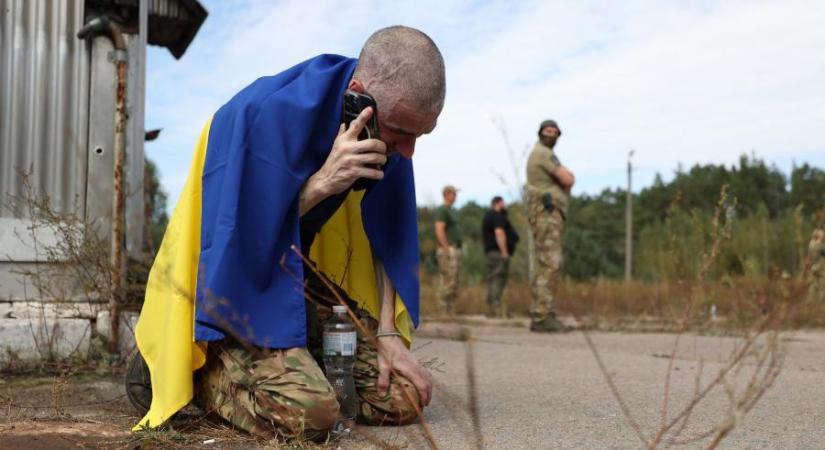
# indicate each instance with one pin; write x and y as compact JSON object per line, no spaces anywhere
{"x":546,"y":391}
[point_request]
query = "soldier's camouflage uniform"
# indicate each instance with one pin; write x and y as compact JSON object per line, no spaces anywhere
{"x":449,"y":278}
{"x":284,"y":393}
{"x":816,"y":255}
{"x":546,"y":211}
{"x":498,"y":271}
{"x":449,"y":261}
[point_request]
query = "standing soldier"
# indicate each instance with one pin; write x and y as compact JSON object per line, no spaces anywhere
{"x":448,"y":252}
{"x":548,"y":190}
{"x":816,"y":264}
{"x":499,"y":239}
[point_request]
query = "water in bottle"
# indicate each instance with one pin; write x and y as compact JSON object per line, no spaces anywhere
{"x":340,"y":342}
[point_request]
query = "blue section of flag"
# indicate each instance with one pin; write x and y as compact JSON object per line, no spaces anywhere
{"x":263,"y":145}
{"x":391,"y":223}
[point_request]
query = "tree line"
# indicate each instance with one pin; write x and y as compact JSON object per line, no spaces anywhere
{"x":770,"y":216}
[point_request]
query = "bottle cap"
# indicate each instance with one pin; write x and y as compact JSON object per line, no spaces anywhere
{"x":339,"y":309}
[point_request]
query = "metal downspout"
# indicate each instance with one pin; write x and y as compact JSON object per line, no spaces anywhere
{"x":102,"y":25}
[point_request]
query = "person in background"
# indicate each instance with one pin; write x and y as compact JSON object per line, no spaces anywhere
{"x":448,"y":252}
{"x":816,"y":264}
{"x":499,"y":240}
{"x":548,"y":190}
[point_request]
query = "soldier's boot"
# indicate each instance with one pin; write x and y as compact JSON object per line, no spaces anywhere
{"x":549,"y":324}
{"x":493,"y":311}
{"x":498,"y":312}
{"x":504,"y":313}
{"x":138,"y":383}
{"x":446,"y":311}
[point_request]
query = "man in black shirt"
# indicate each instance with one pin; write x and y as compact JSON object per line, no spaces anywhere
{"x":499,"y":239}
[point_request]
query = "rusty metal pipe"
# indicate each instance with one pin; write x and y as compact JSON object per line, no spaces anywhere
{"x":102,"y":25}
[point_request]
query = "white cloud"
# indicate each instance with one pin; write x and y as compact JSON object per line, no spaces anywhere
{"x":678,"y":81}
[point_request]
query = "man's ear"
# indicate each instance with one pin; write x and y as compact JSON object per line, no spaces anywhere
{"x":357,"y":86}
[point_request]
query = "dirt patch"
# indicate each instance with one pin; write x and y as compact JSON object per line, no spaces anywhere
{"x":59,"y":435}
{"x":78,"y":396}
{"x":90,"y":410}
{"x":67,"y":410}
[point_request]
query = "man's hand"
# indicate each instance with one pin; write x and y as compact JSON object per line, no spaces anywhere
{"x":392,"y":353}
{"x":441,"y":236}
{"x":349,"y":160}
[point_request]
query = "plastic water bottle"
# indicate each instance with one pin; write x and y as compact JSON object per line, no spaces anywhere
{"x":340,"y":342}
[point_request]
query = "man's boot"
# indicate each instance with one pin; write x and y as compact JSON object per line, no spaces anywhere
{"x":549,"y":324}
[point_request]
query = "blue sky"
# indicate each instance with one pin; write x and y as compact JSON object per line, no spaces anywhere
{"x":678,"y":81}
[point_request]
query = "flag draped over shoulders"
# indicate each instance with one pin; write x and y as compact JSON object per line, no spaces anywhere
{"x":228,"y":243}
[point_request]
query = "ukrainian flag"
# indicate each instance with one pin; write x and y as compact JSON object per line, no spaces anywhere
{"x":225,"y":264}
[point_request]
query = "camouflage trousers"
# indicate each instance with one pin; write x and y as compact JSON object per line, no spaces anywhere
{"x":284,"y":393}
{"x":545,"y":257}
{"x":816,"y":290}
{"x":449,"y":274}
{"x":816,"y":259}
{"x":498,"y":269}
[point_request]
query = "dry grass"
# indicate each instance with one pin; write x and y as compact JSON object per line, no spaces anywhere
{"x":71,"y":268}
{"x":618,"y":305}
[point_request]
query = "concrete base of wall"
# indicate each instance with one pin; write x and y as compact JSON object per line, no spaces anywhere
{"x":32,"y":331}
{"x":27,"y":340}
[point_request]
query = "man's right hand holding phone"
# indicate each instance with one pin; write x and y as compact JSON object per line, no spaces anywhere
{"x":349,"y":160}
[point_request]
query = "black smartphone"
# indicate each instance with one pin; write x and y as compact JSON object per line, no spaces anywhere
{"x":354,"y":103}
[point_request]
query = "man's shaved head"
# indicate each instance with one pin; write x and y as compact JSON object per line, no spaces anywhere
{"x":400,"y":62}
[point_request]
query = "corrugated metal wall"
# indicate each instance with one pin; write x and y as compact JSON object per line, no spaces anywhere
{"x":57,"y":121}
{"x":168,"y":8}
{"x":44,"y":101}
